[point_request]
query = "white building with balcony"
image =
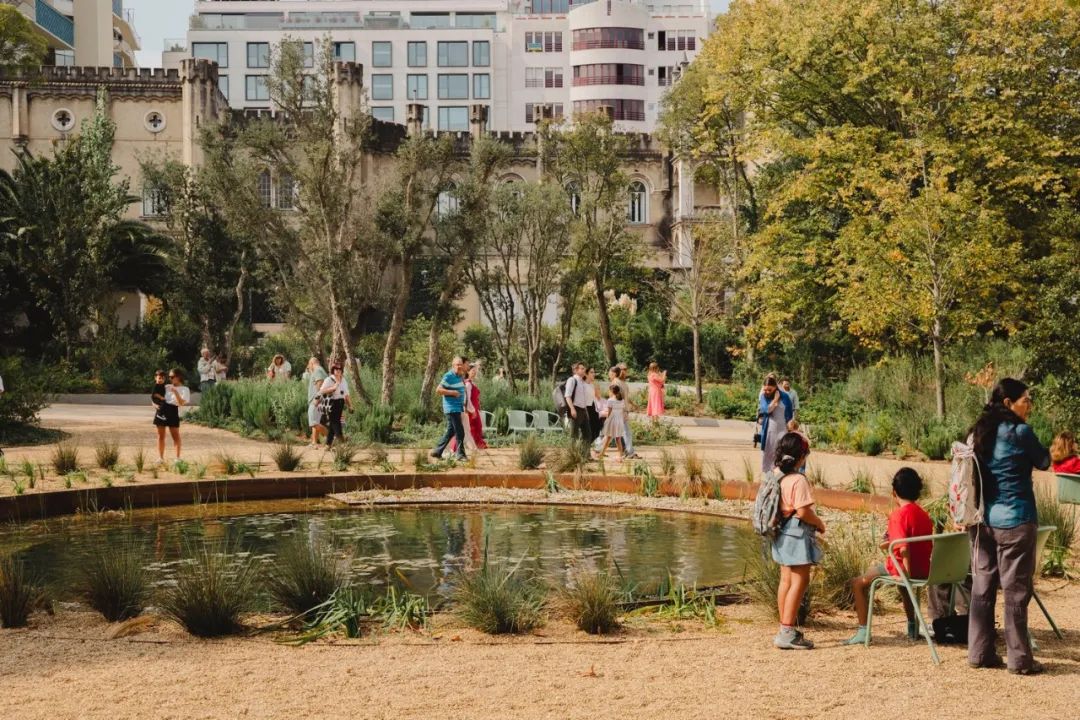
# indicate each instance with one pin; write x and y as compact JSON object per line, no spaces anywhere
{"x":92,"y":33}
{"x":524,"y":59}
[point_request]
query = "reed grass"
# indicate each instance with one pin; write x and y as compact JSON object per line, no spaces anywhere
{"x":591,"y":601}
{"x":213,"y":588}
{"x":115,"y":582}
{"x":107,"y":454}
{"x":65,"y":458}
{"x":530,"y":453}
{"x":20,"y":592}
{"x":304,"y":575}
{"x":1058,"y":556}
{"x":286,"y":457}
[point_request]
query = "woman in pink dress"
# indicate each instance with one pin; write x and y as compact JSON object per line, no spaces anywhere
{"x":475,"y":424}
{"x":657,"y":379}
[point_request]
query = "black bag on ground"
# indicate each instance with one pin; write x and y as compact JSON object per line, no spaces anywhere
{"x":951,"y":630}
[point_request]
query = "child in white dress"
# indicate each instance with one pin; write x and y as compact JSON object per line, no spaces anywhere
{"x":615,"y":425}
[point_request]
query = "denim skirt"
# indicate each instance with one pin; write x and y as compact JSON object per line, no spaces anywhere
{"x":796,"y":544}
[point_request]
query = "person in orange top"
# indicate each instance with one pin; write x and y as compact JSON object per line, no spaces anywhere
{"x":657,"y":379}
{"x":1063,"y":453}
{"x":907,"y":520}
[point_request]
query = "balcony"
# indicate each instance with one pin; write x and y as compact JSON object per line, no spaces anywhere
{"x":608,"y":80}
{"x":323,"y":20}
{"x":609,"y":45}
{"x":59,"y":26}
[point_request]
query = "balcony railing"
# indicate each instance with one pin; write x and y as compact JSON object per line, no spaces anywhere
{"x":55,"y":23}
{"x":608,"y":80}
{"x":323,"y":19}
{"x":609,"y":44}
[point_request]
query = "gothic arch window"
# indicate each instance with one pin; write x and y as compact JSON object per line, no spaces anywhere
{"x":447,"y":203}
{"x":638,"y":208}
{"x":574,"y":193}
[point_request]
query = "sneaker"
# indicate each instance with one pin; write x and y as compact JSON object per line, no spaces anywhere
{"x":792,"y":641}
{"x":1035,"y":668}
{"x":993,"y":663}
{"x":859,"y":638}
{"x":435,"y":455}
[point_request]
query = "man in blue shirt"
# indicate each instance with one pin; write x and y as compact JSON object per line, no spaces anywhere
{"x":452,"y":390}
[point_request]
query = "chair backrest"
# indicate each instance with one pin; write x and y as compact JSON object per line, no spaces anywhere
{"x":518,"y":419}
{"x":486,"y":419}
{"x":950,"y":558}
{"x":1041,"y":536}
{"x":542,"y":420}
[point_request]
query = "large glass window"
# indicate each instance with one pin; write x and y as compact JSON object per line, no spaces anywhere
{"x":676,"y":40}
{"x":546,"y":41}
{"x":256,"y":88}
{"x":386,"y":114}
{"x":345,"y":51}
{"x":453,"y":54}
{"x":610,"y":37}
{"x":266,"y":189}
{"x":417,"y":54}
{"x":481,"y":53}
{"x":549,"y":7}
{"x":382,"y":54}
{"x":217,"y":52}
{"x":286,"y":192}
{"x":223,"y":85}
{"x":382,"y":87}
{"x":481,"y":86}
{"x":623,"y":109}
{"x":551,"y":77}
{"x":609,"y":74}
{"x":453,"y":118}
{"x":453,"y":87}
{"x":416,"y":87}
{"x":424,"y":21}
{"x":258,"y":55}
{"x":309,"y":55}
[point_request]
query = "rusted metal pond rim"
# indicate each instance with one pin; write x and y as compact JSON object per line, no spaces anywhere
{"x":35,"y":506}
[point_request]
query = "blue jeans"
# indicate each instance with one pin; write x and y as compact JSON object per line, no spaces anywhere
{"x":454,"y":429}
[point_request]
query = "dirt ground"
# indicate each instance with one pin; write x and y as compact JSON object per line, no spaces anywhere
{"x":66,"y":667}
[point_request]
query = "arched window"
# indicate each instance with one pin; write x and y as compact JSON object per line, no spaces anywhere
{"x":447,"y":203}
{"x":575,"y":197}
{"x":638,"y":210}
{"x":286,"y":192}
{"x":265,"y":189}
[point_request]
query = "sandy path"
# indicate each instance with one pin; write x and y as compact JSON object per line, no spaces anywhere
{"x":64,"y":668}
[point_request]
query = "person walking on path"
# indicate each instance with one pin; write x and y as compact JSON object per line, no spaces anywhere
{"x":786,"y":387}
{"x":657,"y":381}
{"x":1003,"y":544}
{"x":624,"y":386}
{"x":176,"y":395}
{"x":774,"y":407}
{"x":592,"y":400}
{"x":452,"y":390}
{"x":280,"y":370}
{"x":208,"y":372}
{"x":336,"y":388}
{"x":577,"y":404}
{"x":471,"y":418}
{"x":313,"y":379}
{"x":615,"y":425}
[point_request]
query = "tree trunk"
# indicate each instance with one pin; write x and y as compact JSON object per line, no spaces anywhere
{"x":230,"y":331}
{"x":696,"y":329}
{"x":534,"y":368}
{"x":443,"y":309}
{"x":605,"y":322}
{"x":393,"y":337}
{"x":939,"y":371}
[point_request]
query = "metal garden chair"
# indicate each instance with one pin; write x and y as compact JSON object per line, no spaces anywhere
{"x":545,"y":421}
{"x":518,"y":421}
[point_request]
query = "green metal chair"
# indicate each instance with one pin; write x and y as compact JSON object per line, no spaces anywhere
{"x":487,"y":422}
{"x":545,"y":421}
{"x":950,"y":560}
{"x":1040,"y":547}
{"x":518,"y":421}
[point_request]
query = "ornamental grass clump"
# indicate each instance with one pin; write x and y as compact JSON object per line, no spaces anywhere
{"x":1056,"y":560}
{"x":530,"y":453}
{"x":65,"y":459}
{"x":498,"y":601}
{"x":694,"y":467}
{"x":286,"y":457}
{"x":107,"y":454}
{"x":304,"y":575}
{"x":850,"y":550}
{"x":20,"y":592}
{"x":115,"y":582}
{"x":592,"y":602}
{"x":213,"y":588}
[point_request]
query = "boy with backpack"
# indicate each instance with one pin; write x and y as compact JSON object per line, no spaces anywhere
{"x":906,"y":521}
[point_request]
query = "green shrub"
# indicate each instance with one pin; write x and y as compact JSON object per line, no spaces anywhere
{"x":115,"y":582}
{"x":1059,"y":546}
{"x":286,"y":456}
{"x":570,"y":458}
{"x":592,"y":602}
{"x":24,"y":394}
{"x":65,"y":459}
{"x":304,"y":575}
{"x":732,"y":401}
{"x":861,"y":482}
{"x":107,"y":454}
{"x":667,"y":464}
{"x":344,"y":455}
{"x":401,"y":609}
{"x":20,"y":592}
{"x":213,"y":588}
{"x":498,"y":602}
{"x":871,"y":444}
{"x":648,"y":483}
{"x":376,"y":424}
{"x":937,"y":440}
{"x":661,"y":433}
{"x":530,"y":453}
{"x":850,"y":550}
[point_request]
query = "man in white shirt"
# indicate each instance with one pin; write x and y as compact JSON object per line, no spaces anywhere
{"x":577,"y":404}
{"x":207,"y":371}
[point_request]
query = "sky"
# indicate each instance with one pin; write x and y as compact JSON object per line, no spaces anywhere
{"x":156,"y":20}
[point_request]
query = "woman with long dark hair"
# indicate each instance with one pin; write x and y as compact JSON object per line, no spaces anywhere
{"x":336,"y":388}
{"x":1003,"y":544}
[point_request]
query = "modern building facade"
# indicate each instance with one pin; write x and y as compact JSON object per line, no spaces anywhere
{"x":93,"y":33}
{"x":524,"y":59}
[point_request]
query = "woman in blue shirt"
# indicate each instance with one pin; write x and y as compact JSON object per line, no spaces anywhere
{"x":1003,"y":545}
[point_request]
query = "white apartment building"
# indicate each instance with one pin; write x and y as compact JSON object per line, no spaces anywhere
{"x":524,"y":59}
{"x":92,"y":33}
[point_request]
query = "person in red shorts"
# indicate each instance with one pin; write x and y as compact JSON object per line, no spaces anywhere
{"x":907,"y":520}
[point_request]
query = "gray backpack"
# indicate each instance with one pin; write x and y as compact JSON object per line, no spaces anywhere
{"x":766,"y":517}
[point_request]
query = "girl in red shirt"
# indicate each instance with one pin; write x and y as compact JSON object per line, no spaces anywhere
{"x":1063,"y":454}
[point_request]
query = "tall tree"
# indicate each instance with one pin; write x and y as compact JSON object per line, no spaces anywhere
{"x":22,"y":48}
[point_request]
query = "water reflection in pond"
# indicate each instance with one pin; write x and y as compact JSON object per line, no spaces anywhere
{"x":424,"y":546}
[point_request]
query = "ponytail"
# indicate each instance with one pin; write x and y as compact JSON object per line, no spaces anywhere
{"x":790,"y":452}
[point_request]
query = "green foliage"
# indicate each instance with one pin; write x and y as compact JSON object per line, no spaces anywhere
{"x":938,"y":510}
{"x":733,"y":401}
{"x":592,"y":600}
{"x":680,"y":602}
{"x":661,"y":433}
{"x":20,"y":592}
{"x":400,"y":609}
{"x":861,"y":482}
{"x":570,"y":458}
{"x":286,"y":457}
{"x":139,"y":458}
{"x":304,"y":575}
{"x":344,"y":455}
{"x":667,"y":464}
{"x":376,"y":423}
{"x":530,"y":452}
{"x":107,"y":454}
{"x":648,"y":483}
{"x":24,"y":390}
{"x":65,"y":459}
{"x":214,"y":586}
{"x":551,"y":483}
{"x":181,"y":467}
{"x":499,"y":601}
{"x":850,"y":550}
{"x":115,"y":582}
{"x":22,"y":46}
{"x":1057,"y":559}
{"x":694,"y":467}
{"x":761,"y":580}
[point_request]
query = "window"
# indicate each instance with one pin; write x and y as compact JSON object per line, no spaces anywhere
{"x":474,"y":20}
{"x":382,"y":87}
{"x":481,"y":86}
{"x":535,"y":112}
{"x":481,"y":53}
{"x":453,"y":87}
{"x":609,"y":74}
{"x":550,"y":7}
{"x":345,"y":52}
{"x":426,"y":21}
{"x":638,"y":210}
{"x":676,"y":40}
{"x":622,"y":109}
{"x":416,"y":87}
{"x":447,"y":202}
{"x":453,"y":118}
{"x":257,"y":89}
{"x":665,"y":76}
{"x":544,"y":77}
{"x":223,"y":85}
{"x":217,"y":52}
{"x":553,"y":77}
{"x":453,"y":54}
{"x":155,"y":201}
{"x":609,"y":37}
{"x":417,"y":54}
{"x":574,"y":193}
{"x":286,"y":192}
{"x":258,"y":55}
{"x":546,"y":41}
{"x":386,"y":114}
{"x":382,"y":54}
{"x":265,"y":189}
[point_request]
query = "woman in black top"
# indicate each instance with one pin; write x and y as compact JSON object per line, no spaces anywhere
{"x":157,"y":399}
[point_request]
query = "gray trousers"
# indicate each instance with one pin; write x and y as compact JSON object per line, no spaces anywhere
{"x":1002,"y":557}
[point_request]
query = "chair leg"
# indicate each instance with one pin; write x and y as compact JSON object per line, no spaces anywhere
{"x":924,"y":628}
{"x":870,"y":611}
{"x":1047,"y":614}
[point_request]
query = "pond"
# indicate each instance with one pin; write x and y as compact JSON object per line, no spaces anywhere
{"x":421,"y":547}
